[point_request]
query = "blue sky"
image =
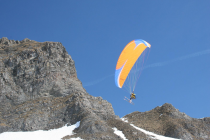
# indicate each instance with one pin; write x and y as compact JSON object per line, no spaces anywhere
{"x":95,"y":32}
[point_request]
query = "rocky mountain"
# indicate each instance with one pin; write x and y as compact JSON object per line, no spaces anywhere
{"x":39,"y":90}
{"x":169,"y":121}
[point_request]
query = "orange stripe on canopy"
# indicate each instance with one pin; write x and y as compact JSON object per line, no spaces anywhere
{"x":127,"y":59}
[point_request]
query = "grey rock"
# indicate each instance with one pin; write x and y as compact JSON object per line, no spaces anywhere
{"x":40,"y":91}
{"x":169,"y":121}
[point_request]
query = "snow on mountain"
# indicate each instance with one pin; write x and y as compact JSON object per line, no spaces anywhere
{"x":153,"y":135}
{"x":119,"y":133}
{"x":53,"y":134}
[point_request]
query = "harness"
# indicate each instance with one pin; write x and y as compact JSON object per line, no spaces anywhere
{"x":133,"y":96}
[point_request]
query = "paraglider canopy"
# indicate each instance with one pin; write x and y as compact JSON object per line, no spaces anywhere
{"x":127,"y":59}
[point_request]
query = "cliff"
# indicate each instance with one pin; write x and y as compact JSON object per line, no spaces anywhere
{"x":40,"y":91}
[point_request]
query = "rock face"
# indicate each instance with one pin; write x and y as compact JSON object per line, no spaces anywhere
{"x":168,"y":121}
{"x":39,"y":90}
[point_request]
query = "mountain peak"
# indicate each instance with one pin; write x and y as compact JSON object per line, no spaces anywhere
{"x":168,"y":121}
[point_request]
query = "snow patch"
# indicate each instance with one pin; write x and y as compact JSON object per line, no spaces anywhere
{"x":53,"y":134}
{"x":124,"y":119}
{"x":153,"y":135}
{"x":119,"y":133}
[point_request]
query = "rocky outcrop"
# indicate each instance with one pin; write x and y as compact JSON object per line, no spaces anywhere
{"x":31,"y":70}
{"x":169,"y":121}
{"x":40,"y":91}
